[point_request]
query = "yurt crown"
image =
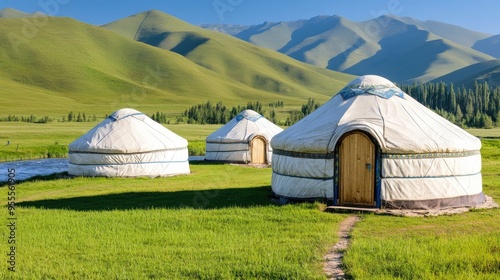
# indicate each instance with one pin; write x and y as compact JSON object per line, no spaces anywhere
{"x":371,"y":84}
{"x":249,"y":115}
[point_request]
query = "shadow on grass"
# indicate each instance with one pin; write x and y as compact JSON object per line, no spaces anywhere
{"x":202,"y":199}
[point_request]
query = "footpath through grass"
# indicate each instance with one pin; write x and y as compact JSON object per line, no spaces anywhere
{"x":217,"y":223}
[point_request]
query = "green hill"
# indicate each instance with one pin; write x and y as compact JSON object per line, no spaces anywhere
{"x":242,"y":62}
{"x":69,"y":65}
{"x":13,"y":13}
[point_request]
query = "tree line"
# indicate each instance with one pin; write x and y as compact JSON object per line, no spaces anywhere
{"x":70,"y":117}
{"x":80,"y":117}
{"x":477,"y":107}
{"x":218,"y":113}
{"x":29,"y":119}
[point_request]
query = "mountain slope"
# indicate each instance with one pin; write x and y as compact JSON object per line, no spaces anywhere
{"x":402,"y":49}
{"x":419,"y":53}
{"x":245,"y":63}
{"x":80,"y":67}
{"x":487,"y":71}
{"x":13,"y":13}
{"x":457,"y":34}
{"x":490,"y":45}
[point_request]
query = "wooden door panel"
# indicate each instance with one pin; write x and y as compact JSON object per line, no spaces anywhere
{"x":357,"y":170}
{"x":258,"y":150}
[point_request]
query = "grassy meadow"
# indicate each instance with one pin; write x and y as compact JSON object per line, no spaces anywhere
{"x":217,"y":223}
{"x":220,"y":223}
{"x":488,"y":133}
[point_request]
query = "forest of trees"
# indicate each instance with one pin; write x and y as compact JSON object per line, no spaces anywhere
{"x":209,"y":113}
{"x":478,"y":107}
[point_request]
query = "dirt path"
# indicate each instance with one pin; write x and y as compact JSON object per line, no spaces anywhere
{"x":333,"y":259}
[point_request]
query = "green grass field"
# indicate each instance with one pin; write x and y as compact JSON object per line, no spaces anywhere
{"x":220,"y":223}
{"x":217,"y":223}
{"x":479,"y":132}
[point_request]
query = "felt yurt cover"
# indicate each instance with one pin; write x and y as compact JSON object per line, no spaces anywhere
{"x":233,"y":141}
{"x":128,"y":144}
{"x":421,"y":160}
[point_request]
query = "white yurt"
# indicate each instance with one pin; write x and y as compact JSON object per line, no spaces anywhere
{"x":372,"y":145}
{"x":244,"y":139}
{"x":128,"y":144}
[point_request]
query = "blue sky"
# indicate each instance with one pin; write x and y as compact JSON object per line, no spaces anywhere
{"x":478,"y":15}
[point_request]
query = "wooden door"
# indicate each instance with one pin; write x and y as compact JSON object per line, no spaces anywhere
{"x":258,"y":150}
{"x":357,"y":170}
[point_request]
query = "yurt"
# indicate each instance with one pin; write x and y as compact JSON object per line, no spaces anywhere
{"x":244,"y":139}
{"x":372,"y":145}
{"x":128,"y":144}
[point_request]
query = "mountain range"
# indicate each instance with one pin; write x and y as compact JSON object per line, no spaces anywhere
{"x":402,"y":49}
{"x":150,"y":61}
{"x":153,"y":61}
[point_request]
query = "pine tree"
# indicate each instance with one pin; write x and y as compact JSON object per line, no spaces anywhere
{"x":486,"y":121}
{"x":469,"y":109}
{"x":477,"y":120}
{"x":441,"y":96}
{"x":453,"y":99}
{"x":497,"y":122}
{"x":458,"y":115}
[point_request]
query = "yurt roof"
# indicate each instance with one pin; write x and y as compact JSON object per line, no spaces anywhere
{"x":127,"y":131}
{"x":242,"y":128}
{"x":372,"y":104}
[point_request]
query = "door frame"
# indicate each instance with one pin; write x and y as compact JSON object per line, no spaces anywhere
{"x":250,"y":146}
{"x":378,"y":164}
